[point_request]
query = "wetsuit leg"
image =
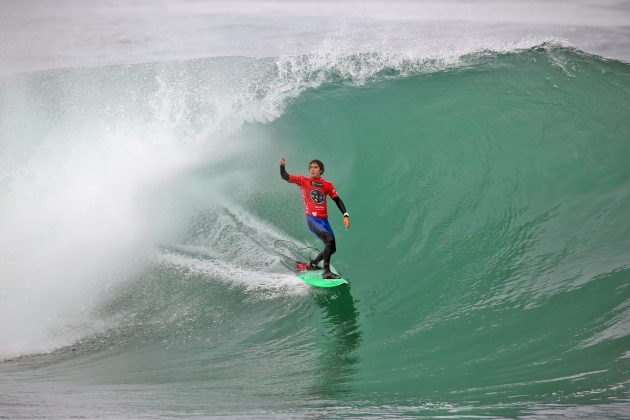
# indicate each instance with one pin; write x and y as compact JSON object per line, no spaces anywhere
{"x":330,"y":246}
{"x":319,"y":257}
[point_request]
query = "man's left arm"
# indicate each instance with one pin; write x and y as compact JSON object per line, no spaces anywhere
{"x":342,"y":208}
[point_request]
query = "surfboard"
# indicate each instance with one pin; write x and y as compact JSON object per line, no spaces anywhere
{"x":291,"y":256}
{"x":314,"y":278}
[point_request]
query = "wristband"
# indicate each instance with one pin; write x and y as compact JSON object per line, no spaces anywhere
{"x":346,"y":215}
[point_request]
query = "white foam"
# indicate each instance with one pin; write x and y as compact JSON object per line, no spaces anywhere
{"x":70,"y":225}
{"x":232,"y":246}
{"x":266,"y":285}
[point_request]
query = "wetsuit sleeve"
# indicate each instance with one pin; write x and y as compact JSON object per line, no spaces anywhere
{"x":340,"y":204}
{"x":283,"y":173}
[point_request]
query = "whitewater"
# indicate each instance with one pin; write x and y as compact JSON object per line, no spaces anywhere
{"x":482,"y":151}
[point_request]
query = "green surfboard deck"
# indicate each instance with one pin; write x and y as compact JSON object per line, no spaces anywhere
{"x":314,"y":278}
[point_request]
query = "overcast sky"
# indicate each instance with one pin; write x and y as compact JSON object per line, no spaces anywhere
{"x":39,"y":34}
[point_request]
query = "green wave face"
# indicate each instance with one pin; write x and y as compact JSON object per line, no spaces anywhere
{"x":488,"y":256}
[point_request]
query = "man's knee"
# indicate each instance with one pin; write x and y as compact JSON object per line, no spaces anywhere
{"x":329,"y":240}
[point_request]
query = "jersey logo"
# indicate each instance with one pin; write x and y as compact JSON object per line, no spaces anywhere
{"x":317,"y":184}
{"x":317,"y":196}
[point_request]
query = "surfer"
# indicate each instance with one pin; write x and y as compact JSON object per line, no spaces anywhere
{"x":314,"y":192}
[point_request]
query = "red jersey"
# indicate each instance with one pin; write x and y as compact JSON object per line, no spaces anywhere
{"x":314,"y":192}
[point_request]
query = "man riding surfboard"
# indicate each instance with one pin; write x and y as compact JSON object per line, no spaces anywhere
{"x":314,"y":192}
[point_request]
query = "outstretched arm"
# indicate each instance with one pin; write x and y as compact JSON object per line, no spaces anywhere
{"x":342,"y":207}
{"x":283,"y":171}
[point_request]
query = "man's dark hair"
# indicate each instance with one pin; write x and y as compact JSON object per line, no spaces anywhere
{"x":319,"y":163}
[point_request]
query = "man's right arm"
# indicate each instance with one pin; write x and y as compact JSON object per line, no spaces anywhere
{"x":283,"y":172}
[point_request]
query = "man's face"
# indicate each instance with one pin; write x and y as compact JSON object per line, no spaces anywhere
{"x":315,"y":170}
